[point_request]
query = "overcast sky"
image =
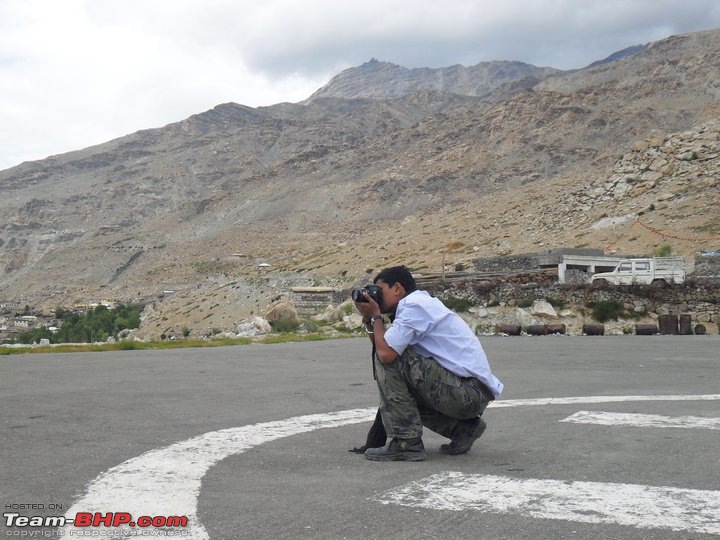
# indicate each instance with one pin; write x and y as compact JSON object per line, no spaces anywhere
{"x":74,"y":73}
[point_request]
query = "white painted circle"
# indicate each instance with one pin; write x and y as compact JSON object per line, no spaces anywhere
{"x":167,"y":481}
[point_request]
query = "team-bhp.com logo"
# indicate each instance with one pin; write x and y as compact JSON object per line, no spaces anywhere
{"x":95,"y":520}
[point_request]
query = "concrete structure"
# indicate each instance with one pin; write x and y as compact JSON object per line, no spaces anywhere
{"x":311,"y":300}
{"x":574,"y":265}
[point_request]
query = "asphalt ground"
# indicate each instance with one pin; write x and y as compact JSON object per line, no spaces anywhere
{"x":68,"y":418}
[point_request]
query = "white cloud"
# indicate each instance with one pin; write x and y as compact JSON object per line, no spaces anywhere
{"x":80,"y":72}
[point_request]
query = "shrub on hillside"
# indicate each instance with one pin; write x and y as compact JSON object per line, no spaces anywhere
{"x":526,"y":302}
{"x":606,"y":310}
{"x":285,"y":325}
{"x":663,"y":251}
{"x":458,"y":305}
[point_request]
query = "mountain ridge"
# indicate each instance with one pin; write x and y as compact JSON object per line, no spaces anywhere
{"x":386,"y":80}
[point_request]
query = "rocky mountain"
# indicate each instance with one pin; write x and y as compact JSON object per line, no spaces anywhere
{"x":384,"y":80}
{"x":628,"y":51}
{"x":384,"y":165}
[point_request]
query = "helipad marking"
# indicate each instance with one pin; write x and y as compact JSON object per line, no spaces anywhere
{"x":645,"y":507}
{"x":166,"y":481}
{"x":600,"y":399}
{"x":642,"y":420}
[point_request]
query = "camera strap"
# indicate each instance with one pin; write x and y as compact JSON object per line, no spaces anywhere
{"x":372,"y":361}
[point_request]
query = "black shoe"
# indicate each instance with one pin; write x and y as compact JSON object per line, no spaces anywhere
{"x":466,"y":433}
{"x":398,"y":450}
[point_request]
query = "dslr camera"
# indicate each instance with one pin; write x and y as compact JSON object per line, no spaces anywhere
{"x":373,"y":291}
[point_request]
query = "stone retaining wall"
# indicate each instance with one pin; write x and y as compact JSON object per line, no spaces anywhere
{"x":529,"y":261}
{"x":509,"y":263}
{"x":707,"y":267}
{"x":699,"y":298}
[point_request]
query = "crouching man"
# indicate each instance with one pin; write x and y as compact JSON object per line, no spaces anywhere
{"x":430,"y":367}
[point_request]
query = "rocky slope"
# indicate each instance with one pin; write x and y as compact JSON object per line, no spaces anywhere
{"x":621,"y":155}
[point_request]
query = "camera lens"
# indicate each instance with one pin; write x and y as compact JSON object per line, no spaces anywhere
{"x":357,"y":295}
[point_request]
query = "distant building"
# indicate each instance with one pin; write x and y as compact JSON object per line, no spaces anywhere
{"x":309,"y":300}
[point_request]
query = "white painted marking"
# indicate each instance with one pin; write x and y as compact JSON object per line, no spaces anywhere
{"x":631,"y":505}
{"x":166,"y":481}
{"x":642,"y":420}
{"x":599,"y":399}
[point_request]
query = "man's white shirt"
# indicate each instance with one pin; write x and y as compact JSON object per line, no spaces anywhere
{"x":424,"y":324}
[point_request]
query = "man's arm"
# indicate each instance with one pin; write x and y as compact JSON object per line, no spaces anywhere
{"x":369,"y":329}
{"x":385,"y":352}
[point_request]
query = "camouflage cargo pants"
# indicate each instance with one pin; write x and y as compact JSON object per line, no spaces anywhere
{"x":416,"y":391}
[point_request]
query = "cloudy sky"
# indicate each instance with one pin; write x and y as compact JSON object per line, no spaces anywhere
{"x":74,"y":73}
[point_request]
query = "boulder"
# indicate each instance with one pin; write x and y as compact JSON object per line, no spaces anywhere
{"x":523,"y":318}
{"x":253,"y":327}
{"x":283,"y":310}
{"x":352,"y":321}
{"x":656,"y":138}
{"x":543,"y":308}
{"x":330,"y":314}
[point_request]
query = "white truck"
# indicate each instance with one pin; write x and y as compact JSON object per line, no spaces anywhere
{"x":659,"y":271}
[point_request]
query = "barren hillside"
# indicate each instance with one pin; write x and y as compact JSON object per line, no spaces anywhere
{"x":621,"y":156}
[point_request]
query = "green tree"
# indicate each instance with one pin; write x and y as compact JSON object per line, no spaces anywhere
{"x":35,"y":335}
{"x":95,"y":325}
{"x":61,"y":312}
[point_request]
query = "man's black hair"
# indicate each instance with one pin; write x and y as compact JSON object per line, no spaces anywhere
{"x":398,"y":274}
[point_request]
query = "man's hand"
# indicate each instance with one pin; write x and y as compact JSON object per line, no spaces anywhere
{"x":371,"y":309}
{"x":368,"y":309}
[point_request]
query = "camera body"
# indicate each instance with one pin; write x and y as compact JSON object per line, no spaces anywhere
{"x":373,"y":291}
